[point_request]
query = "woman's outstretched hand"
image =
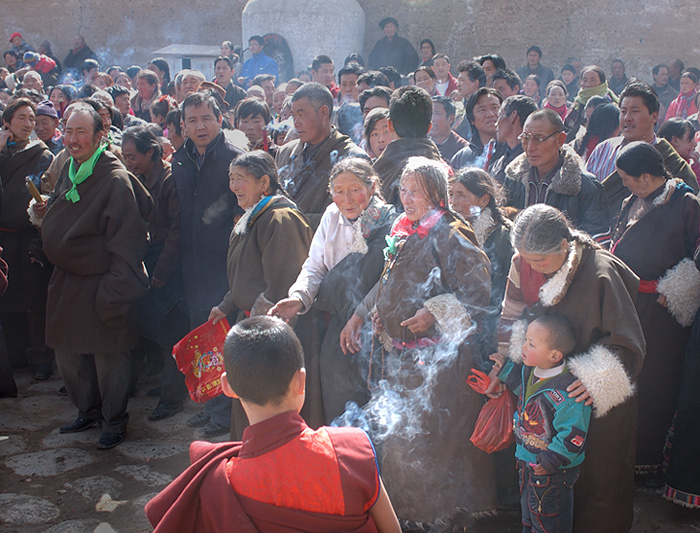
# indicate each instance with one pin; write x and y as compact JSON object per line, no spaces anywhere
{"x":286,"y":309}
{"x":350,"y":336}
{"x":421,"y":322}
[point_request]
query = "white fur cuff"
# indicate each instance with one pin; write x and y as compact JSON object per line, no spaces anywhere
{"x":681,"y":287}
{"x":451,"y":316}
{"x":261,"y":306}
{"x":35,"y":219}
{"x":604,"y":376}
{"x":517,"y":341}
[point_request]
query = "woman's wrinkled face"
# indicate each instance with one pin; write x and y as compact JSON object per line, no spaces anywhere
{"x":415,"y":201}
{"x":589,"y":79}
{"x":247,"y":188}
{"x":351,"y":194}
{"x":549,"y":263}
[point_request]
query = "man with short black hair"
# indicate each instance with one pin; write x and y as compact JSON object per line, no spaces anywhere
{"x":267,"y":83}
{"x":639,"y":112}
{"x":223,"y":69}
{"x":446,"y":83}
{"x":371,"y":98}
{"x":207,"y":211}
{"x":662,"y":88}
{"x":305,"y":163}
{"x":511,"y":119}
{"x":410,"y":114}
{"x":534,"y":67}
{"x":323,"y":72}
{"x":506,"y":82}
{"x":88,"y":71}
{"x":258,"y":64}
{"x":447,"y":141}
{"x":347,"y":82}
{"x":393,"y":50}
{"x":471,"y":76}
{"x":371,"y":79}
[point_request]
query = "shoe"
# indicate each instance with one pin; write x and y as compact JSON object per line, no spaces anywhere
{"x":80,"y":424}
{"x":165,"y":410}
{"x":212,"y":429}
{"x":153,"y":393}
{"x":109,"y":440}
{"x":199,"y":420}
{"x":42,"y":372}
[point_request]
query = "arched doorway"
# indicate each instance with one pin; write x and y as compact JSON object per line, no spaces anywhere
{"x":278,"y":49}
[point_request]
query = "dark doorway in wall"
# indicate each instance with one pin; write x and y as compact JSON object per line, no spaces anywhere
{"x":278,"y":49}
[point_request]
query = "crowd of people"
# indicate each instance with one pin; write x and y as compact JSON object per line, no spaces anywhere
{"x":410,"y":221}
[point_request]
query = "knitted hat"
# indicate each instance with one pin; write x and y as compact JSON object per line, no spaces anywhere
{"x":30,"y":57}
{"x":46,"y":108}
{"x":16,"y":34}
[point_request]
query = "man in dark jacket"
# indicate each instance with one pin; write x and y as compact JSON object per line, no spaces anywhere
{"x":77,"y":55}
{"x":410,"y":113}
{"x":305,"y":164}
{"x":393,"y":50}
{"x":511,"y":119}
{"x":207,"y":210}
{"x":550,"y":172}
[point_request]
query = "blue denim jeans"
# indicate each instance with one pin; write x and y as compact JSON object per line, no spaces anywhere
{"x":547,"y":502}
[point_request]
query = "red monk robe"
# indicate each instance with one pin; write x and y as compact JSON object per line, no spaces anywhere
{"x":287,"y":478}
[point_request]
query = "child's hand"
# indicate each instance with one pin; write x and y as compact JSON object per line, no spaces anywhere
{"x":539,"y":470}
{"x":496,"y":388}
{"x":498,"y":360}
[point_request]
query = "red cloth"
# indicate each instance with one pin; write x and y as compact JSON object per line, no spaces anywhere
{"x":404,"y":227}
{"x":44,"y":65}
{"x":530,"y":283}
{"x":451,"y":85}
{"x":201,"y":499}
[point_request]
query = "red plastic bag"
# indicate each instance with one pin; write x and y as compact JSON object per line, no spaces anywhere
{"x":493,"y":430}
{"x":200,"y":357}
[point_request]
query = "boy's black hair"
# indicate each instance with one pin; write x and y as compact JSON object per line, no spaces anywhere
{"x":561,"y":334}
{"x":261,"y":355}
{"x":411,"y":111}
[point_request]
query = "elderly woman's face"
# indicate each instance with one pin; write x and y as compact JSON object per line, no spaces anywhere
{"x":415,"y":201}
{"x":350,"y":194}
{"x":547,"y":264}
{"x":465,"y":202}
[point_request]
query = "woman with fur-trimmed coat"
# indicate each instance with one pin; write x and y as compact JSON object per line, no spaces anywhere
{"x":552,"y":173}
{"x":558,"y":270}
{"x":655,"y":236}
{"x":267,"y":247}
{"x":432,"y":295}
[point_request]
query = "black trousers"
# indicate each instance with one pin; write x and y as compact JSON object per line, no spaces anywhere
{"x":98,"y":385}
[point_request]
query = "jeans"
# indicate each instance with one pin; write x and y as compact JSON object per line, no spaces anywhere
{"x":547,"y":502}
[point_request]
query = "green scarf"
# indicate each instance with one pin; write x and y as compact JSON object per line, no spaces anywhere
{"x":599,"y":90}
{"x":82,"y":173}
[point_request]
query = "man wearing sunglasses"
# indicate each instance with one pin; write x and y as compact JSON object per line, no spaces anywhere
{"x":551,"y":172}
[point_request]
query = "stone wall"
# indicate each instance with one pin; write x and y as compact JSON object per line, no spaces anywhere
{"x":642,"y":32}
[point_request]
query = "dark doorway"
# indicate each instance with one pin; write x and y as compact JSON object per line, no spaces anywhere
{"x":278,"y":49}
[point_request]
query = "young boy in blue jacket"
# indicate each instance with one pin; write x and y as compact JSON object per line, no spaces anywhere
{"x":550,"y":428}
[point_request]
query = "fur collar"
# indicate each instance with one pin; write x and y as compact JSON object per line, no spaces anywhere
{"x":554,"y":289}
{"x":566,"y":181}
{"x":241,"y":227}
{"x":483,"y":225}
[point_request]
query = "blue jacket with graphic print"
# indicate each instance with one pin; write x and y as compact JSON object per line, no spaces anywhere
{"x":550,"y":428}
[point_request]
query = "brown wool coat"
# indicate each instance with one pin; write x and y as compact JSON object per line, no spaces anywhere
{"x":27,"y":281}
{"x":666,"y":234}
{"x":430,"y":468}
{"x":598,"y":299}
{"x":97,"y":246}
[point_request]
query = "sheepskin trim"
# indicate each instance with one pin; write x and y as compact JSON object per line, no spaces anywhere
{"x":681,"y":287}
{"x":449,"y":313}
{"x":241,"y":227}
{"x":483,"y":225}
{"x":566,"y":181}
{"x":555,"y":288}
{"x":359,"y":244}
{"x":604,"y":376}
{"x":35,"y":219}
{"x":667,"y":193}
{"x":261,"y":306}
{"x":517,"y":341}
